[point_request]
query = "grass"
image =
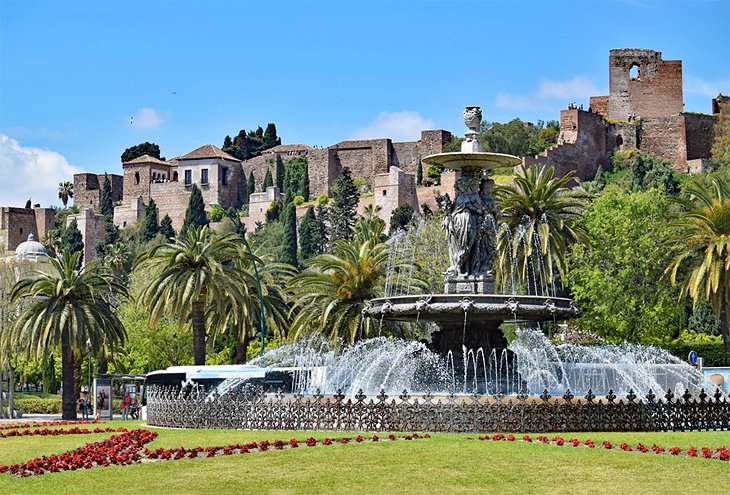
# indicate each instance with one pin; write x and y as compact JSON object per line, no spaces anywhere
{"x":444,"y":463}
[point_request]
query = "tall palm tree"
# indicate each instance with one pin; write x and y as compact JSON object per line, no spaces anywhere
{"x":329,"y":296}
{"x":540,"y":213}
{"x":194,"y":274}
{"x":701,"y":239}
{"x":65,"y":191}
{"x":245,"y":324}
{"x":68,"y":307}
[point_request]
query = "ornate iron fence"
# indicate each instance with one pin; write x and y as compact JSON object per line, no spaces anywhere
{"x":167,"y":406}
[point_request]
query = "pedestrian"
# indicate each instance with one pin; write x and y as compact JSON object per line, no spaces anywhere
{"x":84,"y":406}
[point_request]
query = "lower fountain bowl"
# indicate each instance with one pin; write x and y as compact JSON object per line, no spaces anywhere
{"x":484,"y":307}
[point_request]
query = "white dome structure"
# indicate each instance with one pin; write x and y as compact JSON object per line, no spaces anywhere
{"x":31,"y":250}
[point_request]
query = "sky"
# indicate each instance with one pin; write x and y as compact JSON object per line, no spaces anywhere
{"x":80,"y":81}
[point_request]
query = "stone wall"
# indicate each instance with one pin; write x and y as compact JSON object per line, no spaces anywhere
{"x":599,"y":105}
{"x":127,"y":214}
{"x":656,"y":91}
{"x":622,"y":136}
{"x":172,"y":199}
{"x":87,"y":189}
{"x":258,"y":205}
{"x":581,"y":145}
{"x":699,"y":131}
{"x":394,"y":189}
{"x":665,"y":137}
{"x":91,"y":226}
{"x":17,"y":223}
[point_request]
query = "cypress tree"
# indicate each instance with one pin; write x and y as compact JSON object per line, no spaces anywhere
{"x":281,"y":174}
{"x":320,"y":229}
{"x":308,"y":235}
{"x":290,"y":233}
{"x":72,"y":240}
{"x":304,"y":191}
{"x":268,"y":181}
{"x":270,"y":137}
{"x":106,"y":206}
{"x":195,"y":214}
{"x":150,"y":225}
{"x":251,"y":186}
{"x":344,"y":206}
{"x":166,"y":227}
{"x":419,"y":174}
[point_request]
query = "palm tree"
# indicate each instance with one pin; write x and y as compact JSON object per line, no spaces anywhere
{"x":701,"y":238}
{"x":117,"y":257}
{"x":191,"y":276}
{"x":330,"y":295}
{"x":540,"y":213}
{"x":244,"y":325}
{"x":65,"y":191}
{"x":70,"y":308}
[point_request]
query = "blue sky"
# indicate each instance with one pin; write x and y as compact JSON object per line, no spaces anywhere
{"x":74,"y":73}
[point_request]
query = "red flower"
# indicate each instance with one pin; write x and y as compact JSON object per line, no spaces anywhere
{"x":675,"y":451}
{"x":311,"y":442}
{"x":293,"y":442}
{"x":359,"y":438}
{"x":527,"y":438}
{"x":641,"y":448}
{"x":558,"y":441}
{"x":542,"y":439}
{"x":607,"y":445}
{"x":391,"y":437}
{"x":345,"y":440}
{"x":723,"y":454}
{"x":625,"y":446}
{"x":375,"y":438}
{"x":574,"y":442}
{"x":657,"y":449}
{"x":511,"y":438}
{"x":692,"y":452}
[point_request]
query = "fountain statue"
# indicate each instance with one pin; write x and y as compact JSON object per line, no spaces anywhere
{"x":469,"y":312}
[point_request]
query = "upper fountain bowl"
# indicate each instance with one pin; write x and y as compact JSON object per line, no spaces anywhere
{"x":482,"y":160}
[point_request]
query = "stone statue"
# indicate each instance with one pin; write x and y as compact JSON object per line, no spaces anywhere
{"x":488,"y":231}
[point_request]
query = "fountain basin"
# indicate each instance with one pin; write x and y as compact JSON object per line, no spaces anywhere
{"x":482,"y":160}
{"x":440,"y":308}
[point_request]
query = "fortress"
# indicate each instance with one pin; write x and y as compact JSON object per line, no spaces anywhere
{"x":644,"y":110}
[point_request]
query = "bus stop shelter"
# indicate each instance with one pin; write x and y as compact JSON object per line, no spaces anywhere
{"x":105,"y":386}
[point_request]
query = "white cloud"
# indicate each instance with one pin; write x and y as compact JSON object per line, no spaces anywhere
{"x":398,"y":126}
{"x":709,"y":89}
{"x":550,"y":92}
{"x":27,"y":172}
{"x":149,"y":118}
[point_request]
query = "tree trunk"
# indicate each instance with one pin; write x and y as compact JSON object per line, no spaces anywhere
{"x":11,"y":390}
{"x":2,"y":400}
{"x":78,"y":361}
{"x":67,"y":378}
{"x":241,"y":349}
{"x":724,"y":322}
{"x":198,"y":317}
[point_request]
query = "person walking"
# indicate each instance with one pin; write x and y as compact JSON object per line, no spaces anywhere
{"x":84,"y":406}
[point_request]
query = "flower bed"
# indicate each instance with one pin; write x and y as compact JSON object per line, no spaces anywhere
{"x":129,"y":448}
{"x":720,"y":453}
{"x":17,"y":426}
{"x":47,"y":432}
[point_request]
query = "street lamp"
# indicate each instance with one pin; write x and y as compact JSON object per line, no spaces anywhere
{"x":262,"y":314}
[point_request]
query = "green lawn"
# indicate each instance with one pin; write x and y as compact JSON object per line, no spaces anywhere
{"x":444,"y":463}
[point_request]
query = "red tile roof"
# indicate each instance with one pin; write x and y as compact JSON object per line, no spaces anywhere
{"x":207,"y":151}
{"x":146,"y":159}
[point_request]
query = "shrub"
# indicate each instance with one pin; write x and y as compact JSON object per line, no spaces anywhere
{"x":710,"y":348}
{"x":298,"y":200}
{"x":39,"y":406}
{"x":323,"y":199}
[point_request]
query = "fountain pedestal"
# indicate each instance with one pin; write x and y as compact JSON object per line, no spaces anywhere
{"x":469,"y":284}
{"x":452,"y":335}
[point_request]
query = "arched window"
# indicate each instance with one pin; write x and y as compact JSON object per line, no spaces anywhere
{"x":634,"y":72}
{"x":136,"y":177}
{"x":619,"y":141}
{"x":174,"y":176}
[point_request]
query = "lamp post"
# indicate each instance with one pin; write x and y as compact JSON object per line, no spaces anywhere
{"x":262,"y":319}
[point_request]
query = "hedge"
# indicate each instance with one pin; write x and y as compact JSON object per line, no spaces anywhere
{"x":39,"y":406}
{"x":713,"y":353}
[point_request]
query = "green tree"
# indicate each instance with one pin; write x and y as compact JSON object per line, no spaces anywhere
{"x":649,"y":170}
{"x":401,"y":218}
{"x":617,"y":281}
{"x":166,"y":227}
{"x":273,"y":212}
{"x":70,"y":308}
{"x":193,"y":276}
{"x":329,"y":296}
{"x":541,"y":212}
{"x":290,"y":234}
{"x":320,"y":227}
{"x":700,"y":240}
{"x":106,"y":205}
{"x":279,"y":168}
{"x":150,"y":226}
{"x":65,"y":191}
{"x":307,"y":235}
{"x":268,"y":241}
{"x":195,"y":214}
{"x":72,"y":240}
{"x":138,"y":150}
{"x":342,"y":211}
{"x":270,"y":137}
{"x":304,"y":189}
{"x":419,"y":174}
{"x":251,"y":186}
{"x":268,"y":181}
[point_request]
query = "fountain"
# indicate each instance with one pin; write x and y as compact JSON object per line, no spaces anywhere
{"x":469,"y":312}
{"x":459,"y":383}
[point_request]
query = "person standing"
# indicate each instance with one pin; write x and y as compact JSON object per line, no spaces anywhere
{"x":84,"y":406}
